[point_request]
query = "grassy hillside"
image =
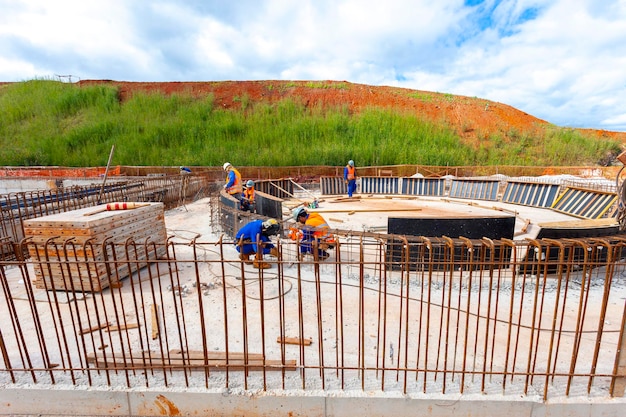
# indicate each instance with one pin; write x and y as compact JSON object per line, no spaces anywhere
{"x":45,"y":122}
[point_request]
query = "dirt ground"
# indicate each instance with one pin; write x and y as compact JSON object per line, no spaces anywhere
{"x":472,"y":117}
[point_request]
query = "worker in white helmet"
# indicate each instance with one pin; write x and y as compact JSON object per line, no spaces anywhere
{"x":233,"y":184}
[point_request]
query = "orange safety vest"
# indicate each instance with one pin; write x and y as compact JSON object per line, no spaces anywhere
{"x":248,"y":194}
{"x":351,"y":173}
{"x":316,"y":221}
{"x":236,"y":187}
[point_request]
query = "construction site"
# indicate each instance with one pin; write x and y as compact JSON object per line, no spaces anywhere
{"x":452,"y":291}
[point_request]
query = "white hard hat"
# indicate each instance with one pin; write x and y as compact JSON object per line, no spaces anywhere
{"x":351,"y":163}
{"x":227,"y":165}
{"x":250,"y":183}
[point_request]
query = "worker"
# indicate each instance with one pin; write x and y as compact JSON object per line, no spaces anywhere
{"x":312,"y":228}
{"x":349,"y":176}
{"x":233,"y":184}
{"x":254,"y":238}
{"x":247,"y":199}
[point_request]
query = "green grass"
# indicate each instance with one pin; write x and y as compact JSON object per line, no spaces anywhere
{"x":45,"y":122}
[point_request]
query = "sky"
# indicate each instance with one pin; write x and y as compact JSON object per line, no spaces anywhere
{"x":563,"y":61}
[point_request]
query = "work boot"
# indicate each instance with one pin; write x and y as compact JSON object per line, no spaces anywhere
{"x":259,"y":264}
{"x":245,"y":258}
{"x":323,"y":256}
{"x":274,"y":252}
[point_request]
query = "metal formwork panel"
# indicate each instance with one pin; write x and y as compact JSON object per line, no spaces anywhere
{"x":380,"y":185}
{"x":281,"y":188}
{"x":473,"y":189}
{"x":530,"y":194}
{"x":423,"y":186}
{"x":332,"y":186}
{"x":588,"y":204}
{"x":269,"y":206}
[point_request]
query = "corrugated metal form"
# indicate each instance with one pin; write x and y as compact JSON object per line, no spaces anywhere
{"x":281,"y":188}
{"x":530,"y":194}
{"x":268,"y":205}
{"x":332,"y":186}
{"x":424,"y":186}
{"x":229,"y":213}
{"x":474,"y":189}
{"x":380,"y":185}
{"x":587,"y":204}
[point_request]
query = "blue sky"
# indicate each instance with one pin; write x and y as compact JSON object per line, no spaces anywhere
{"x":563,"y":61}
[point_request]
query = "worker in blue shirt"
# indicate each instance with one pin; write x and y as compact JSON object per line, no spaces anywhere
{"x":257,"y":231}
{"x":233,"y":184}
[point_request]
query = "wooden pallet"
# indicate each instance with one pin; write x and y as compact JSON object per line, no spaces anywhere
{"x":85,"y":249}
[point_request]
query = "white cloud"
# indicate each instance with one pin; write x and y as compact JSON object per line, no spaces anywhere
{"x":560,"y":60}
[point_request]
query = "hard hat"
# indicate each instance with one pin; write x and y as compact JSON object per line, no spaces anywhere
{"x":250,"y":183}
{"x":226,"y":166}
{"x":269,"y":222}
{"x":270,"y":227}
{"x":300,"y":211}
{"x":351,"y":163}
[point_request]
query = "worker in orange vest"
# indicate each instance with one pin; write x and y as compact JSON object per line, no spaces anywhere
{"x":247,"y":199}
{"x":233,"y":184}
{"x":349,"y":176}
{"x":312,"y":227}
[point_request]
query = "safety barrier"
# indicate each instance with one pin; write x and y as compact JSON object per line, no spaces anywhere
{"x":473,"y":320}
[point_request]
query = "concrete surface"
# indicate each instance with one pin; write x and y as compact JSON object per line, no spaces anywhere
{"x":119,"y":402}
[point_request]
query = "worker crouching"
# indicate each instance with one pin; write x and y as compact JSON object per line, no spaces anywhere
{"x":247,"y":198}
{"x":254,"y":238}
{"x":312,"y":232}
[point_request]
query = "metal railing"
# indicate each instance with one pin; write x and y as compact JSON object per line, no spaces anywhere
{"x":389,"y":313}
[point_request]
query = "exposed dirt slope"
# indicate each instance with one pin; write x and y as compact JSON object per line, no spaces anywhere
{"x":473,"y":118}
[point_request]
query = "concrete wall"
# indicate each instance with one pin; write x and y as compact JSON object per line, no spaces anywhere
{"x":57,"y":401}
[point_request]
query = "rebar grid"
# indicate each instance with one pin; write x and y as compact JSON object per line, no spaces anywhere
{"x":15,"y":208}
{"x":382,"y":313}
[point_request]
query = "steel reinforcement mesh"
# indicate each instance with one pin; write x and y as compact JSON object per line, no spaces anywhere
{"x":442,"y":316}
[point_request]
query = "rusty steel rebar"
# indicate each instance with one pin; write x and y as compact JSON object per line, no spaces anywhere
{"x":385,"y":312}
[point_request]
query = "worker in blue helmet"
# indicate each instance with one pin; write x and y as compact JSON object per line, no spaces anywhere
{"x":349,"y":176}
{"x":247,"y":198}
